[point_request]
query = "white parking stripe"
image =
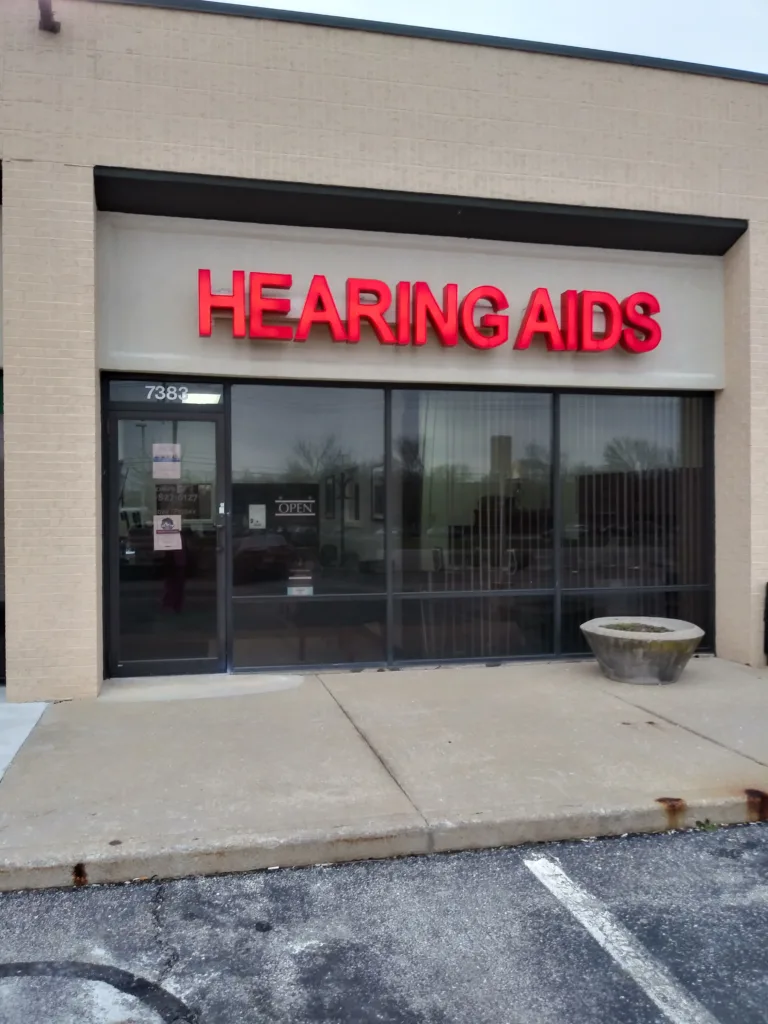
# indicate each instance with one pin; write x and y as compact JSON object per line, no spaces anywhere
{"x":654,"y":979}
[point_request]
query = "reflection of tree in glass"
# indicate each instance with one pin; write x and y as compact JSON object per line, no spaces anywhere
{"x":631,"y":454}
{"x":410,"y":456}
{"x":449,"y":474}
{"x":411,"y":484}
{"x":314,"y":460}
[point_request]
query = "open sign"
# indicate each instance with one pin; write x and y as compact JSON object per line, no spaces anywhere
{"x":295,"y":508}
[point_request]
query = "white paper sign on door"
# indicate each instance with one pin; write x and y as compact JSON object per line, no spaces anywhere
{"x":166,"y":462}
{"x":166,"y":531}
{"x":257,"y":517}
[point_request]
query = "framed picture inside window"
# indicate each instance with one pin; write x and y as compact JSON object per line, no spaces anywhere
{"x":378,"y":494}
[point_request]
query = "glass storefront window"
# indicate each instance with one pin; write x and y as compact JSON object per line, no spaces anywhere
{"x":369,"y":526}
{"x":309,"y":632}
{"x":633,"y":485}
{"x":461,"y":628}
{"x":307,"y":491}
{"x":472,"y":501}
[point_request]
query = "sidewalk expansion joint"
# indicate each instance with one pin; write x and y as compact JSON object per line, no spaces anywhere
{"x":687,"y":728}
{"x":382,"y":761}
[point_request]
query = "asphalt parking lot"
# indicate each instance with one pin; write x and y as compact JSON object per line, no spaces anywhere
{"x":638,"y":930}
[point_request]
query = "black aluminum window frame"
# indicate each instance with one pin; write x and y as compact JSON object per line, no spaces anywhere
{"x":556,"y":593}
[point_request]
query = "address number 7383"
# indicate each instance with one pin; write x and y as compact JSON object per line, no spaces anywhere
{"x":166,"y":393}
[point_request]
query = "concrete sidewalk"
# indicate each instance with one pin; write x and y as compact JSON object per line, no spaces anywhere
{"x":294,"y":770}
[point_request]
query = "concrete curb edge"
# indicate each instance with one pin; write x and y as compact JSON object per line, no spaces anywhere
{"x":26,"y":868}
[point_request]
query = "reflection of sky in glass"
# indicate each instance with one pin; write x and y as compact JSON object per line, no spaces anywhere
{"x":458,"y":428}
{"x":136,"y":437}
{"x":134,"y":450}
{"x":270,"y":423}
{"x":645,"y":429}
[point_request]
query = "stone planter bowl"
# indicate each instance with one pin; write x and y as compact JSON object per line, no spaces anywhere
{"x":655,"y":653}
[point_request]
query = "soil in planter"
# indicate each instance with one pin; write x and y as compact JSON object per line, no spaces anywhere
{"x":639,"y":627}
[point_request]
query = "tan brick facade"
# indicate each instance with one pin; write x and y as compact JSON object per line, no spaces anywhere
{"x":52,"y":468}
{"x":201,"y":93}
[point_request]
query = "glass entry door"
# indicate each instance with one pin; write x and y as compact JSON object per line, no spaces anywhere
{"x":167,"y":543}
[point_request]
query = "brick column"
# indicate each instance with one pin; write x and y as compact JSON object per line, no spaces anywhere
{"x":758,"y":448}
{"x":741,"y":453}
{"x":52,"y":435}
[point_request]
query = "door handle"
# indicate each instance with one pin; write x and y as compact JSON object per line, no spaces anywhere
{"x":220,"y":535}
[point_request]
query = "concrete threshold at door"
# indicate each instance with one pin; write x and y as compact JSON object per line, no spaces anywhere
{"x":35,"y":869}
{"x":197,"y":687}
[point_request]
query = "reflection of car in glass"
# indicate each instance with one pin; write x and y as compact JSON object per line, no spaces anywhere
{"x":140,"y":560}
{"x":361,"y":547}
{"x":573,"y":533}
{"x":605,"y":530}
{"x":594,"y":532}
{"x":135,"y":536}
{"x":261,"y":556}
{"x":132,"y":519}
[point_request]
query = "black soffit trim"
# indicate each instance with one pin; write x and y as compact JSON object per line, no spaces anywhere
{"x":447,"y":36}
{"x":278,"y":202}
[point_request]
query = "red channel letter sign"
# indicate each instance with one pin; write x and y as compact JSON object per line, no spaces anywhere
{"x":405,"y":317}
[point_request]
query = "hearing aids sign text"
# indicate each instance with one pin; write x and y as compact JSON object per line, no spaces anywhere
{"x":575,"y":321}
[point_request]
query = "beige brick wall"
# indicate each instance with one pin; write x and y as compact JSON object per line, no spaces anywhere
{"x":752,"y":489}
{"x":51,"y":400}
{"x":734,"y":543}
{"x":137,"y":87}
